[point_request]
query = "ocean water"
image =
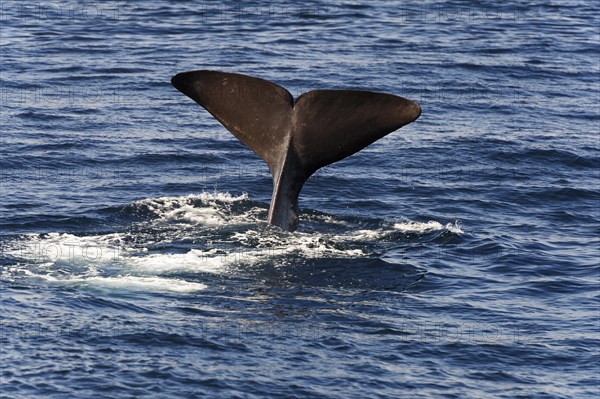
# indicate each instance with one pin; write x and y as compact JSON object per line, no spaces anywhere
{"x":455,"y":258}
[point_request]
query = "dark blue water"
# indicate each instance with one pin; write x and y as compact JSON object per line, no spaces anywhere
{"x":455,"y":258}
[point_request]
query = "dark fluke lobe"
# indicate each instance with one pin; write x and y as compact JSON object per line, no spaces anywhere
{"x":295,"y":138}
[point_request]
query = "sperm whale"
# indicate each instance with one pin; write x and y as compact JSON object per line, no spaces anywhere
{"x":295,"y":137}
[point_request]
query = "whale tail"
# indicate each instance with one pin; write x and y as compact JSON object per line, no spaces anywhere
{"x":295,"y":137}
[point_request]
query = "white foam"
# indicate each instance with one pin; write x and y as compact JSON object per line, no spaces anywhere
{"x":182,"y":210}
{"x":145,"y":283}
{"x":52,"y":248}
{"x":210,"y":261}
{"x":221,"y":197}
{"x":417,"y":227}
{"x":190,"y":214}
{"x":309,"y":245}
{"x":367,"y":234}
{"x":317,"y":245}
{"x":214,"y":261}
{"x":454,"y":227}
{"x":136,"y":283}
{"x":428,"y":227}
{"x":167,"y":203}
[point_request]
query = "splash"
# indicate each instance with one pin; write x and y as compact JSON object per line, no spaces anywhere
{"x":427,"y":227}
{"x":207,"y":209}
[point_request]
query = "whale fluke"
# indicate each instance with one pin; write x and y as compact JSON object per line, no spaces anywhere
{"x":295,"y":138}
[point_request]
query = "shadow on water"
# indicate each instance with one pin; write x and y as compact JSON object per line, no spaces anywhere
{"x":356,"y":274}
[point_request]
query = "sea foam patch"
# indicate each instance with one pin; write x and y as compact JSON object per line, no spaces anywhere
{"x":210,"y":209}
{"x":193,"y":261}
{"x":56,"y":248}
{"x":129,"y":283}
{"x":427,"y":227}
